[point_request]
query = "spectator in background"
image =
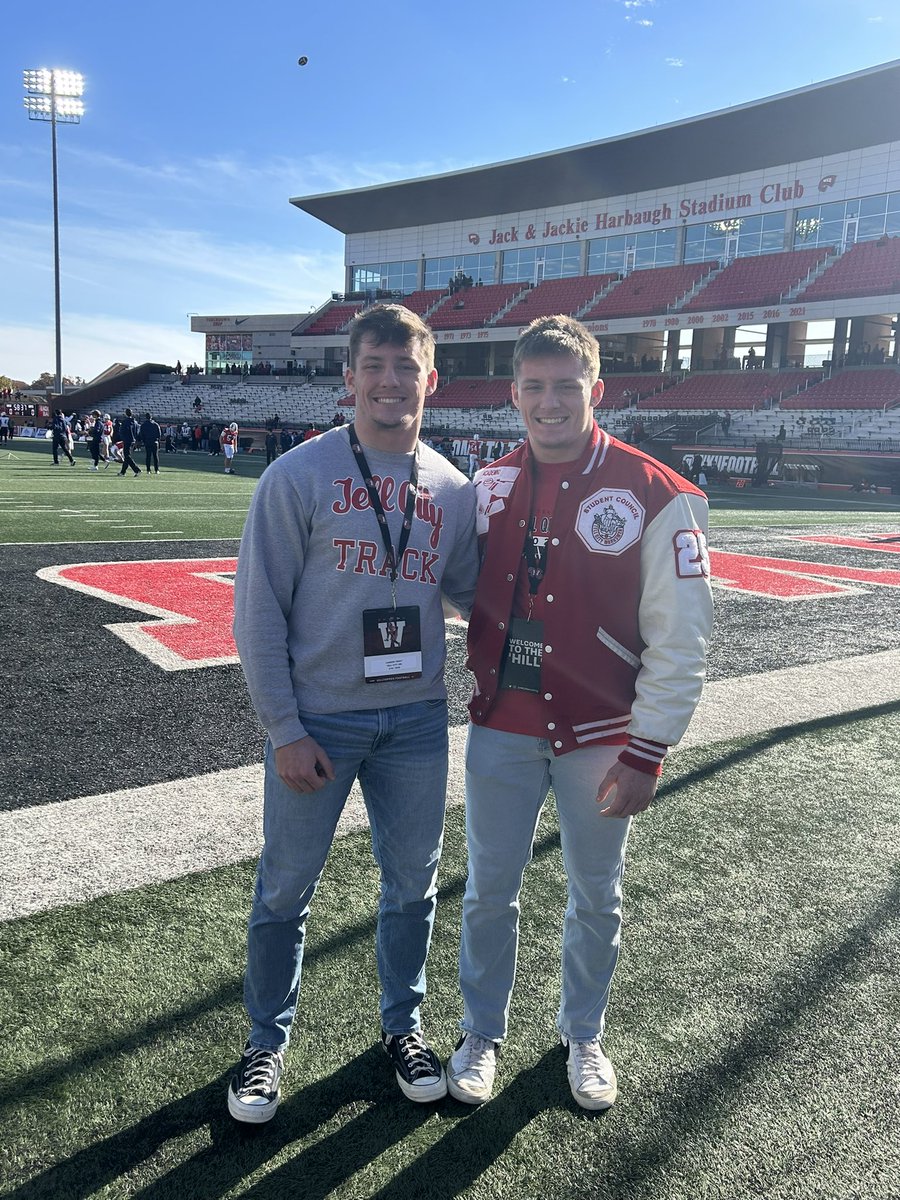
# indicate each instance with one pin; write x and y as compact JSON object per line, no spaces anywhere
{"x":285,"y":440}
{"x":128,"y":434}
{"x":271,"y":446}
{"x":95,"y":436}
{"x":62,"y":437}
{"x":229,"y":440}
{"x":150,"y":435}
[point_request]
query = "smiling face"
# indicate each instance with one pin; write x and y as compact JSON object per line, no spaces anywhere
{"x":390,"y":384}
{"x":556,"y":399}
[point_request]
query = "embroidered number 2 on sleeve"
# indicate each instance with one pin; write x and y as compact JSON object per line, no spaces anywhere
{"x":691,"y":554}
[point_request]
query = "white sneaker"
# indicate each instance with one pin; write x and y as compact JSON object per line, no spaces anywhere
{"x":591,"y":1074}
{"x":470,"y":1071}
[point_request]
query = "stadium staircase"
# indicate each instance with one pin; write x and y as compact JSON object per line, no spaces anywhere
{"x":866,"y":269}
{"x":756,"y":280}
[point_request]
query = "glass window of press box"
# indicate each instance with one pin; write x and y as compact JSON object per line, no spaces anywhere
{"x":734,"y":237}
{"x":844,"y":222}
{"x":533,"y":263}
{"x":439,"y":271}
{"x":632,"y":252}
{"x":388,"y":277}
{"x":224,"y":350}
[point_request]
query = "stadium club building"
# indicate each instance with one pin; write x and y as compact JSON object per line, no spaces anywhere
{"x":737,"y":260}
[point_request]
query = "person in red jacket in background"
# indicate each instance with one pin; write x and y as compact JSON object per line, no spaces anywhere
{"x":588,"y":642}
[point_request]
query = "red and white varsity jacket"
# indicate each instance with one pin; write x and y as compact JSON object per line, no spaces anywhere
{"x":627,"y":609}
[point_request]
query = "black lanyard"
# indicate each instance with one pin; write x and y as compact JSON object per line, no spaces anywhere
{"x":393,"y":559}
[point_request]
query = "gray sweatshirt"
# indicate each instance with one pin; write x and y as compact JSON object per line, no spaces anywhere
{"x":312,"y":559}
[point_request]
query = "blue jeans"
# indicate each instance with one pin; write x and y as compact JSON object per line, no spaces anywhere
{"x":400,"y":757}
{"x":508,"y":777}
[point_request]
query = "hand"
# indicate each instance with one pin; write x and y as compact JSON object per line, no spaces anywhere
{"x":303,"y":765}
{"x":623,"y":791}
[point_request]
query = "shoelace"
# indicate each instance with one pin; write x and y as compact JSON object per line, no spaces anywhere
{"x":260,"y":1071}
{"x":415,"y":1054}
{"x":589,"y":1058}
{"x":476,"y":1053}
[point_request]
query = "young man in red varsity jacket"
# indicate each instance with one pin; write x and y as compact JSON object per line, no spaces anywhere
{"x":588,"y":643}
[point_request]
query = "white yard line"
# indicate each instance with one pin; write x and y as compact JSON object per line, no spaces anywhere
{"x":75,"y":850}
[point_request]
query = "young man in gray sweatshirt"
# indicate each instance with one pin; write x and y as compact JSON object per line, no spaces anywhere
{"x":350,"y":542}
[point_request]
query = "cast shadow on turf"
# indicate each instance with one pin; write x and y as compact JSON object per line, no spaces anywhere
{"x":759,"y":743}
{"x":476,"y":1137}
{"x":666,"y":1116}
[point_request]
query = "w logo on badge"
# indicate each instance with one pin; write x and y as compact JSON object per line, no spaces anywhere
{"x":391,"y":633}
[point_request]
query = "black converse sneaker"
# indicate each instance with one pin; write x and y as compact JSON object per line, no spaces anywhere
{"x":419,"y":1072}
{"x":254,"y":1091}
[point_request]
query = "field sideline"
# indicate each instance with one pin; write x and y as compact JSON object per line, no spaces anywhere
{"x":753,"y":1020}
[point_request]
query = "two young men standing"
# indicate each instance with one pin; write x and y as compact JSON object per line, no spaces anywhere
{"x":587,"y":642}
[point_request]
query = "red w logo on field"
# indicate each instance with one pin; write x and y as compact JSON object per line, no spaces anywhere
{"x":192,"y":599}
{"x":788,"y":579}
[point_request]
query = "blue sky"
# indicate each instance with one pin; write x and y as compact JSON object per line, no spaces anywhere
{"x":200,"y":125}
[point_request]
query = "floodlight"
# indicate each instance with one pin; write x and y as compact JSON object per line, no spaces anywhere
{"x":53,"y":95}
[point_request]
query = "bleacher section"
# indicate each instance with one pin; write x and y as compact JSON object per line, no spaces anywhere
{"x":472,"y":393}
{"x":866,"y":269}
{"x":651,"y":291}
{"x":731,"y":389}
{"x":757,"y":280}
{"x":855,"y":387}
{"x":556,"y":296}
{"x":333,"y":319}
{"x":420,"y":302}
{"x":474,"y":307}
{"x":622,"y":391}
{"x":246,"y":403}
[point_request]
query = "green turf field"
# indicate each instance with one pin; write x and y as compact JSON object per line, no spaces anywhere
{"x":754,"y":1019}
{"x":192,"y":499}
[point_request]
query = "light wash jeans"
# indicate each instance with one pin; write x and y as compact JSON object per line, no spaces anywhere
{"x":400,"y":757}
{"x":508,"y":777}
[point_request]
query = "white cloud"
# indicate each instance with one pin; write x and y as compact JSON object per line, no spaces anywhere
{"x":674,"y":62}
{"x":126,"y":292}
{"x":90,"y":344}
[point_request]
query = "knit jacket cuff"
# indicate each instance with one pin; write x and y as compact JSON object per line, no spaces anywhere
{"x":644,"y":755}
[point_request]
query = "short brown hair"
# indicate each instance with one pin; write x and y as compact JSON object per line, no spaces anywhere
{"x":392,"y":325}
{"x":558,"y":335}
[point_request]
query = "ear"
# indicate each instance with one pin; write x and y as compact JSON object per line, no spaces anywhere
{"x":514,"y":392}
{"x":348,"y":380}
{"x":597,"y":392}
{"x":431,"y":382}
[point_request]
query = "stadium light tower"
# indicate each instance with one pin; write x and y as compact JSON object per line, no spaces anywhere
{"x":55,"y":96}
